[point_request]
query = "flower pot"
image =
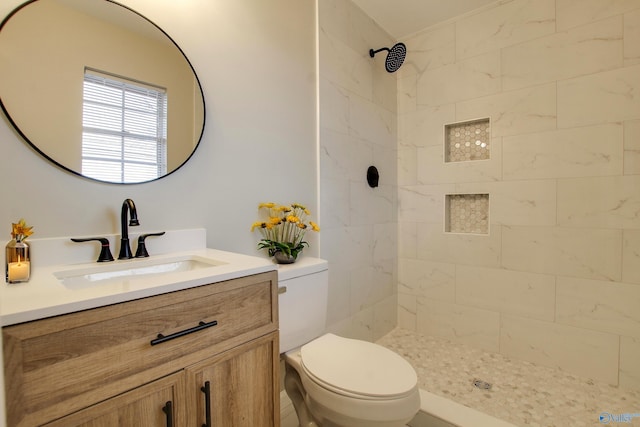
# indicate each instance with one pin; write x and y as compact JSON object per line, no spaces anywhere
{"x":283,"y":258}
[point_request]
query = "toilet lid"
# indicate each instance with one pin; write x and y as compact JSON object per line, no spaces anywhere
{"x":357,"y":367}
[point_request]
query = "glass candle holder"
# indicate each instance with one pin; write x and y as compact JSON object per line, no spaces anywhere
{"x":17,"y":262}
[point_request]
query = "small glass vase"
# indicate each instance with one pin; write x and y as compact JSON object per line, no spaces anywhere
{"x":17,"y":265}
{"x":283,"y":258}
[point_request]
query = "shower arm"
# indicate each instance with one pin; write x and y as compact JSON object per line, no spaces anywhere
{"x":372,"y":52}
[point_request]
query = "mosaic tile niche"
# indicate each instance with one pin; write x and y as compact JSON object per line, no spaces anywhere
{"x":466,"y":141}
{"x":467,"y":213}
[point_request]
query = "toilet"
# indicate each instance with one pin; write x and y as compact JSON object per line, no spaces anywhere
{"x":334,"y":381}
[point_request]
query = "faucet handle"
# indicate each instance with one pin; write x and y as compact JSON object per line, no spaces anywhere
{"x":105,"y":252}
{"x":141,"y":251}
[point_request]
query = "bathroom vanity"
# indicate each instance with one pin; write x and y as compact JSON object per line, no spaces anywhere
{"x":196,"y":347}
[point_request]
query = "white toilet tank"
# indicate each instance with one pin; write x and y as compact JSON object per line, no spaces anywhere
{"x":302,"y":301}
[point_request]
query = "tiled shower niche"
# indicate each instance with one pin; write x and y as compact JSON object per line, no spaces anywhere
{"x":466,"y":141}
{"x":467,"y":213}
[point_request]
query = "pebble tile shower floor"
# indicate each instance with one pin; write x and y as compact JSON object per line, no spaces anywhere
{"x":521,"y":393}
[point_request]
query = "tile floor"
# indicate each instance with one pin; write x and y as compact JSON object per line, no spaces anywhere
{"x":521,"y":393}
{"x":288,"y":416}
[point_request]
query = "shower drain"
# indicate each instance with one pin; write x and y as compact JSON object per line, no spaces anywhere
{"x":482,"y":385}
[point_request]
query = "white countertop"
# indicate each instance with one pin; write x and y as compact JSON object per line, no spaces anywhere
{"x":45,"y":296}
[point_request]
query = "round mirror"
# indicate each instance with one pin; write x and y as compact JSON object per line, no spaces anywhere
{"x":99,"y":90}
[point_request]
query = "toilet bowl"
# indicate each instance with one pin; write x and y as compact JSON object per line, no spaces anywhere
{"x":334,"y":381}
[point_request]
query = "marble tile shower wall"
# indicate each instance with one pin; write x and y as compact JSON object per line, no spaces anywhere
{"x":357,"y":129}
{"x":557,"y":280}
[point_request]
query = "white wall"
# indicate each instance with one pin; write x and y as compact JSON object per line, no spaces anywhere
{"x":256,"y":63}
{"x":557,"y":279}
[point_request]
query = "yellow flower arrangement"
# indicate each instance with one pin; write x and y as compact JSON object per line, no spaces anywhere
{"x":20,"y":231}
{"x":284,"y":228}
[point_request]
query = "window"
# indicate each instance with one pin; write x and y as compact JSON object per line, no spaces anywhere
{"x":124,"y":128}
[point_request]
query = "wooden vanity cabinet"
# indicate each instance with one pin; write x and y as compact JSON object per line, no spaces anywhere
{"x":147,"y":362}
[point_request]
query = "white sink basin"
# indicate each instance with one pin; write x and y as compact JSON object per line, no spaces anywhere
{"x":131,"y":269}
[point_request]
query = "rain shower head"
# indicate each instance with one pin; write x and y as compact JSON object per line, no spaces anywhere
{"x":395,"y":57}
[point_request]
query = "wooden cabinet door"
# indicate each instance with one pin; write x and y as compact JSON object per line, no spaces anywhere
{"x":238,"y":388}
{"x":157,"y":404}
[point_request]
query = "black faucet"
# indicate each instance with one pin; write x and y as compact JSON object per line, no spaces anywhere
{"x":142,"y":252}
{"x":105,"y":252}
{"x":127,"y":206}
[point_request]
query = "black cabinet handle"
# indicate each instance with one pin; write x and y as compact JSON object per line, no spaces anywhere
{"x":206,"y":389}
{"x":164,"y":338}
{"x":168,"y":410}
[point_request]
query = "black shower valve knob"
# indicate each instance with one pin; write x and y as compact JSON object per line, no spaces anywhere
{"x":373,"y":176}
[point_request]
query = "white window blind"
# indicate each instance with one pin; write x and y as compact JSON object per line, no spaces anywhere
{"x":124,"y":127}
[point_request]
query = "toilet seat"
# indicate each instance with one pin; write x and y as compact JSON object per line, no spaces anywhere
{"x":357,"y":369}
